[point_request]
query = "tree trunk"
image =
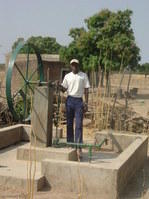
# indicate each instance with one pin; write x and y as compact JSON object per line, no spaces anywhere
{"x":102,"y":78}
{"x":108,"y":86}
{"x":99,"y":75}
{"x":107,"y":79}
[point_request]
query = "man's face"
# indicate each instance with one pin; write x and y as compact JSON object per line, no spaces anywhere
{"x":75,"y":67}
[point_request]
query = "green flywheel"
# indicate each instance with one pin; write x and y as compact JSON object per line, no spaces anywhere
{"x":22,"y":70}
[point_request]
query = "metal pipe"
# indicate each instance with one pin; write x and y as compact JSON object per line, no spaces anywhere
{"x":85,"y":145}
{"x":37,"y":82}
{"x":81,"y":145}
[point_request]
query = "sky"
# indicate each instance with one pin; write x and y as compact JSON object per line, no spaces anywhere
{"x":25,"y":18}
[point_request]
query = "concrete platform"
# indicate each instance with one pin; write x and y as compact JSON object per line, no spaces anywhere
{"x":13,"y":172}
{"x":106,"y":176}
{"x":11,"y":135}
{"x":23,"y":153}
{"x":99,"y":157}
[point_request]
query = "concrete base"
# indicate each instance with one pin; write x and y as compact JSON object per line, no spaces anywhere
{"x":13,"y":173}
{"x":81,"y":178}
{"x":105,"y":178}
{"x":41,"y":117}
{"x":118,"y":141}
{"x":22,"y":182}
{"x":23,"y":153}
{"x":10,"y":135}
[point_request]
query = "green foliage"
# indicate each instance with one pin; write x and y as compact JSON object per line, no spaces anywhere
{"x":90,"y":63}
{"x":108,"y":41}
{"x":143,"y":68}
{"x":19,"y":107}
{"x":75,"y":33}
{"x":45,"y":45}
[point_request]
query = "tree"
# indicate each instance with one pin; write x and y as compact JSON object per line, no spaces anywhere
{"x":143,"y":68}
{"x":73,"y":50}
{"x":108,"y":38}
{"x":45,"y":45}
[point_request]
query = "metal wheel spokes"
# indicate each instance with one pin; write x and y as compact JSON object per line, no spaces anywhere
{"x":18,"y":92}
{"x":19,"y":71}
{"x":26,"y":85}
{"x":18,"y":86}
{"x":27,"y":64}
{"x":35,"y":71}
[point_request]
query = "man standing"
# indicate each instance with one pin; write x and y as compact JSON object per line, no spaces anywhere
{"x":76,"y":84}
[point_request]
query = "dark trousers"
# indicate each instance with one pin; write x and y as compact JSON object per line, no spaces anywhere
{"x":74,"y":109}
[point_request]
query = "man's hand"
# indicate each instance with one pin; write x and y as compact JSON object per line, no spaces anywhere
{"x":59,"y":86}
{"x":56,"y":83}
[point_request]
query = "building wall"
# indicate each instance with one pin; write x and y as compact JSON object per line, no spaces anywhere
{"x":52,"y":70}
{"x":2,"y":81}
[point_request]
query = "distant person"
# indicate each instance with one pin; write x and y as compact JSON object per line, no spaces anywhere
{"x":76,"y":84}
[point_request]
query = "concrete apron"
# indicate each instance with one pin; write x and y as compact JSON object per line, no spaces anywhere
{"x":16,"y":152}
{"x":105,"y":178}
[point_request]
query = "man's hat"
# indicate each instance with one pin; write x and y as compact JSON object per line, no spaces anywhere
{"x":74,"y":61}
